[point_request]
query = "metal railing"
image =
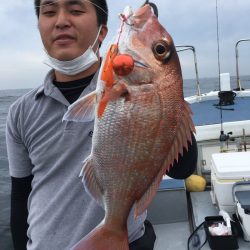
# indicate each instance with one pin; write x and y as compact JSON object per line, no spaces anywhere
{"x":181,"y":48}
{"x":237,"y":61}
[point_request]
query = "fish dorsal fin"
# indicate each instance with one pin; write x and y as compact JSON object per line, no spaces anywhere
{"x":90,"y":182}
{"x":182,"y":137}
{"x":180,"y":141}
{"x":83,"y":110}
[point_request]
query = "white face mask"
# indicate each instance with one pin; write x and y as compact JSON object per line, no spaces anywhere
{"x":77,"y":65}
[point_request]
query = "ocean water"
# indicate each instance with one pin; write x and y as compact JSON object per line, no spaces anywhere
{"x":9,"y":96}
{"x":6,"y":98}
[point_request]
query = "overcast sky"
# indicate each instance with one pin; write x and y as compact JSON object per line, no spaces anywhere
{"x":190,"y":22}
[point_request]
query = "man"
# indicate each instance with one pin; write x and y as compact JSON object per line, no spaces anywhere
{"x":46,"y":154}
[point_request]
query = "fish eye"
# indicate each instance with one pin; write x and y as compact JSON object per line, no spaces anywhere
{"x":161,"y":50}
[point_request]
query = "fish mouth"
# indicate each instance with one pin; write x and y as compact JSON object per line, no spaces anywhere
{"x":143,"y":72}
{"x":138,"y":60}
{"x":140,"y":64}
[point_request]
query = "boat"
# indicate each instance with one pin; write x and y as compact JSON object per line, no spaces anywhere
{"x":222,"y":121}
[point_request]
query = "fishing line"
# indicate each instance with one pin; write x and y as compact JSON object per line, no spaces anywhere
{"x":56,"y":1}
{"x":123,"y":18}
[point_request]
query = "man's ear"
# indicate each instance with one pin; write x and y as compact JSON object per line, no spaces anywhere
{"x":103,"y":33}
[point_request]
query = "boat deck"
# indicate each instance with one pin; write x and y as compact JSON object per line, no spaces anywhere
{"x":174,"y":236}
{"x":208,"y":112}
{"x":201,"y":207}
{"x":176,"y":213}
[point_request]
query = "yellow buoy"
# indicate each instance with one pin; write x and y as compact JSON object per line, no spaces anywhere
{"x":195,"y":183}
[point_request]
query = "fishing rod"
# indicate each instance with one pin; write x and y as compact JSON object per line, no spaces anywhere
{"x":223,"y":137}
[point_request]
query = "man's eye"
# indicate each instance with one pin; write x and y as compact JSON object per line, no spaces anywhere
{"x":76,"y":12}
{"x":49,"y":13}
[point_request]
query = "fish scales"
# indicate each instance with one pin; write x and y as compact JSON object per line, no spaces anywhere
{"x":142,"y":148}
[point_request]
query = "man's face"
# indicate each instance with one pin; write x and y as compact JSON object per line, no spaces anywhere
{"x":68,"y":27}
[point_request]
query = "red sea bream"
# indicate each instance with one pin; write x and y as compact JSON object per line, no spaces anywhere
{"x":141,"y":125}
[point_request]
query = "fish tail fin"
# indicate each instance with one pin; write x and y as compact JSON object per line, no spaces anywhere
{"x":103,"y":238}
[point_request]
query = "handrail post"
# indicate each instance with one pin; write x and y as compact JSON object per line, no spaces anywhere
{"x":190,"y":47}
{"x":237,"y":61}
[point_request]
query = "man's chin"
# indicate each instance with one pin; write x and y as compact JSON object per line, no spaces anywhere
{"x":65,"y":54}
{"x":65,"y":57}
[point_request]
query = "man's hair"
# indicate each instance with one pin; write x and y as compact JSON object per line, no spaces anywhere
{"x":101,"y":8}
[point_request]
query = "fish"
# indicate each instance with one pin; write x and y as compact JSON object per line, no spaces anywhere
{"x":141,"y":125}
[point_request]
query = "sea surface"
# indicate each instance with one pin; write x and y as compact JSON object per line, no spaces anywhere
{"x":7,"y":97}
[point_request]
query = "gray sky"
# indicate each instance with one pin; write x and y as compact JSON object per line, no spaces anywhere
{"x":190,"y":22}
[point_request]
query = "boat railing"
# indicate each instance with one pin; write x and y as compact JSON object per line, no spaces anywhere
{"x":181,"y":48}
{"x":237,"y":61}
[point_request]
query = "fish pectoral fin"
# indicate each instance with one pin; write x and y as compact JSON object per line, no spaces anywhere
{"x":112,"y":94}
{"x":119,"y":90}
{"x":83,"y":110}
{"x":90,"y":182}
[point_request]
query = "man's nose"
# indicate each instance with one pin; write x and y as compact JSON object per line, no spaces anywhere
{"x":62,"y":20}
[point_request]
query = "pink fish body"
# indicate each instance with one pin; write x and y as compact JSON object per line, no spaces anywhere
{"x":141,"y":125}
